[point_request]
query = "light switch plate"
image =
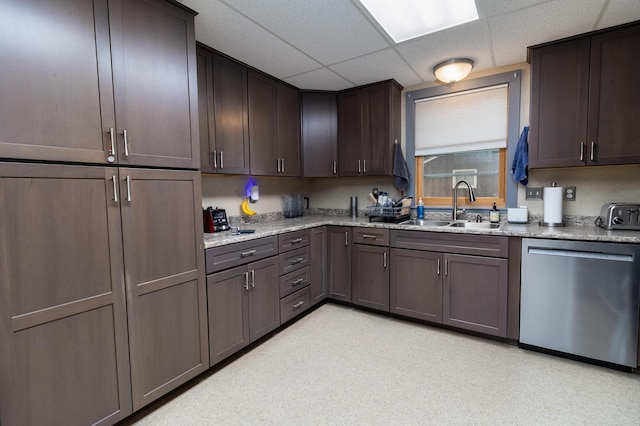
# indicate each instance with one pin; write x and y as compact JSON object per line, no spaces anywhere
{"x":533,"y":192}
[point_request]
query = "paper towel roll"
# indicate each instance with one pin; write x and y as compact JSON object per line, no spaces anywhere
{"x":552,"y":197}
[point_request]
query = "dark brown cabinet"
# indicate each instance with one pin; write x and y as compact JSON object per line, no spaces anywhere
{"x":223,"y":114}
{"x":339,"y":263}
{"x":584,"y":98}
{"x":274,"y":126}
{"x":320,"y":134}
{"x":368,"y":126}
{"x":370,"y":276}
{"x":64,"y":107}
{"x":244,"y":305}
{"x":318,"y":269}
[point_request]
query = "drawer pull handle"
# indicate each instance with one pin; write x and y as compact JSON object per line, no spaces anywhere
{"x":246,"y":281}
{"x":593,"y":151}
{"x":296,"y":282}
{"x":369,"y":236}
{"x":582,"y":147}
{"x":297,"y":260}
{"x":297,"y":305}
{"x":115,"y":188}
{"x":247,"y":253}
{"x":297,"y":240}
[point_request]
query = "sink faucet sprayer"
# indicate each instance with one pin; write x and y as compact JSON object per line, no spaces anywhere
{"x":472,"y":197}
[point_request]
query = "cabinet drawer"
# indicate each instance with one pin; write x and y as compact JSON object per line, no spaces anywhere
{"x":479,"y":245}
{"x":294,"y":260}
{"x":294,"y":304}
{"x":220,"y":258}
{"x":294,"y":281}
{"x":371,"y":236}
{"x":293,"y":240}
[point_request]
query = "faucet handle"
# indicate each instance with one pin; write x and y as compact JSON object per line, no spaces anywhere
{"x":478,"y":218}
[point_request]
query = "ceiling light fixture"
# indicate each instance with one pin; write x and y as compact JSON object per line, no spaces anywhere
{"x":453,"y":70}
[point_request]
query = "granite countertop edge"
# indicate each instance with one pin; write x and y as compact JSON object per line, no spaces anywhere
{"x":585,"y":231}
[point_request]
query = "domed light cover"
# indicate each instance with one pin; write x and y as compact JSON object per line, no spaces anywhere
{"x":453,"y":70}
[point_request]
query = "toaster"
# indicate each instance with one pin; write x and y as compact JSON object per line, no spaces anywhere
{"x":619,"y":216}
{"x":215,"y":220}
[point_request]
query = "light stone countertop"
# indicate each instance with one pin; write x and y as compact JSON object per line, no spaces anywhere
{"x":581,"y":231}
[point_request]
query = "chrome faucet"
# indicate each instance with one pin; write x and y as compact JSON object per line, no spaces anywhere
{"x":472,"y":197}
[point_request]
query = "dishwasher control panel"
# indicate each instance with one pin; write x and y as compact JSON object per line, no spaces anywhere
{"x":619,"y":216}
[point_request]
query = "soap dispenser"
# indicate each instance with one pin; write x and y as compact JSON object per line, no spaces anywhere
{"x":494,"y":214}
{"x":420,"y":209}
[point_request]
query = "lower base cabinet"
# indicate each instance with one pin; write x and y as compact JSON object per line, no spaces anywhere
{"x":339,"y":263}
{"x":370,"y":276}
{"x":318,"y":289}
{"x":244,"y":305}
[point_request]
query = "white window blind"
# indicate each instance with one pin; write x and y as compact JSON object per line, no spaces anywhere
{"x":472,"y":120}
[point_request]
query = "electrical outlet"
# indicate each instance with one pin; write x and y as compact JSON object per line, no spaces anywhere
{"x":534,"y":192}
{"x":569,"y":193}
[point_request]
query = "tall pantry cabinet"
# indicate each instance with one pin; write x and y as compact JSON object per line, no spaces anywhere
{"x":102,"y":291}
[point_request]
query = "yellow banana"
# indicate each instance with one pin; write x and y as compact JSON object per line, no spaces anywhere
{"x":246,"y":209}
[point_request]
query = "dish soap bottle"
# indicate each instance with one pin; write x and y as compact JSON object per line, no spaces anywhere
{"x":420,"y":209}
{"x":494,"y":214}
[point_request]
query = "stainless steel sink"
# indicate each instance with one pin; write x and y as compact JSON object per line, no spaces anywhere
{"x":475,"y":225}
{"x":422,"y":222}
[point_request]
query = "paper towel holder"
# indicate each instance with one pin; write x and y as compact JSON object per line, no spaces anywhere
{"x":552,"y":224}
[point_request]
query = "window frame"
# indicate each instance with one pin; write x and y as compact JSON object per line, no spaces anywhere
{"x":513,"y":81}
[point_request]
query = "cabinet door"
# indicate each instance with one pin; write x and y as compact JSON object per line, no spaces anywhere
{"x":559,"y":101}
{"x":320,"y":134}
{"x":350,"y":122}
{"x":288,"y":106}
{"x":228,"y":301}
{"x":475,"y":293}
{"x":154,"y":73}
{"x":57,"y":97}
{"x":164,"y":264}
{"x":263,"y":127}
{"x":614,"y":97}
{"x":339,"y":263}
{"x":264,"y":297}
{"x":64,"y":357}
{"x":377,"y":110}
{"x":319,"y":289}
{"x":206,"y":124}
{"x":416,"y":284}
{"x":370,"y":276}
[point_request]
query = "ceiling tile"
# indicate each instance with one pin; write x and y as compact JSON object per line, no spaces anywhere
{"x":488,"y":8}
{"x":619,"y":12}
{"x":320,"y":79}
{"x":377,"y":66}
{"x":470,"y":40}
{"x":225,"y":30}
{"x":329,"y":31}
{"x":512,"y":33}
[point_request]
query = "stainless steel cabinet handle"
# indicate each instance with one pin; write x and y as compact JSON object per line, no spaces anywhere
{"x":335,"y":167}
{"x":126,"y":143}
{"x":438,"y":269}
{"x":369,"y":236}
{"x":128,"y":188}
{"x":297,"y":240}
{"x":253,"y":278}
{"x":115,"y":188}
{"x":215,"y":159}
{"x":384,"y":260}
{"x":346,"y":238}
{"x":297,"y":305}
{"x":222,"y":159}
{"x":582,"y":147}
{"x":296,"y":282}
{"x":593,"y":151}
{"x":446,"y":267}
{"x":359,"y":169}
{"x":112,"y":149}
{"x":364,"y":166}
{"x":297,"y":260}
{"x":246,"y":281}
{"x":283,"y":165}
{"x":278,"y":165}
{"x":247,"y":253}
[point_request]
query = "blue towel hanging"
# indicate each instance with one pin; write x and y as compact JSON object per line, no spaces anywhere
{"x":400,"y":169}
{"x":520,"y":165}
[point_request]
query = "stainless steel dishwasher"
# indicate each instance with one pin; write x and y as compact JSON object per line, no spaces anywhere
{"x":581,"y":298}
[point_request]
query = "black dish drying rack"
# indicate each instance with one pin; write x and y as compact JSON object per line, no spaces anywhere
{"x":389,"y":214}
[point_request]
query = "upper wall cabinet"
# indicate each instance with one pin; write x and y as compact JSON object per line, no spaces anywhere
{"x":59,"y":103}
{"x":585,"y":98}
{"x":223,"y":114}
{"x":320,"y":134}
{"x":274,"y":126}
{"x":368,"y":125}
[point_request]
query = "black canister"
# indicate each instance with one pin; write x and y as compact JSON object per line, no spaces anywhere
{"x":353,"y":207}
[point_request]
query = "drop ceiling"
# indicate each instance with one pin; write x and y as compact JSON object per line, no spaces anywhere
{"x":334,"y":44}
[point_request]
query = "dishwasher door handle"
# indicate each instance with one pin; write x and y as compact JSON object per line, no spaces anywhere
{"x":581,"y":254}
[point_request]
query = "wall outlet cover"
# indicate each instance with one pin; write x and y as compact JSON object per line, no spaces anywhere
{"x":533,"y":192}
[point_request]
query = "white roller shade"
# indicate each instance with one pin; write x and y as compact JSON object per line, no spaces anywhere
{"x":472,"y":120}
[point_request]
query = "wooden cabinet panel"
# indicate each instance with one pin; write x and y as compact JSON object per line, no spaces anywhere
{"x":164,"y":260}
{"x":370,"y":276}
{"x":350,"y":122}
{"x":55,"y":107}
{"x":206,"y":116}
{"x":264,"y":298}
{"x":475,"y":293}
{"x":263,"y":125}
{"x":288,"y":107}
{"x":318,"y":274}
{"x":371,"y":236}
{"x":294,"y":281}
{"x":292,"y":240}
{"x":294,"y":304}
{"x":320,"y":134}
{"x":294,"y":260}
{"x":228,"y":301}
{"x":416,"y":284}
{"x":481,"y":245}
{"x":224,"y":257}
{"x":339,"y":263}
{"x":62,"y":310}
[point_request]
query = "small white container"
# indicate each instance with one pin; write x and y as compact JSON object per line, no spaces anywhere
{"x":518,"y":214}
